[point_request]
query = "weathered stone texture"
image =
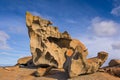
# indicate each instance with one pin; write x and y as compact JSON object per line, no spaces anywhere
{"x":49,"y":47}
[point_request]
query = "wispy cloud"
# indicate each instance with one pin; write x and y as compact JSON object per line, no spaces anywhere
{"x":3,"y":41}
{"x":11,"y":58}
{"x":104,"y":28}
{"x":17,"y":29}
{"x":116,"y":11}
{"x":22,"y":54}
{"x":105,"y":37}
{"x":116,"y":3}
{"x":13,"y":24}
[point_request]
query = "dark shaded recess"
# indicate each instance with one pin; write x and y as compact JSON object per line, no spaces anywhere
{"x":36,"y":22}
{"x":76,"y":56}
{"x":43,"y":65}
{"x":30,"y":62}
{"x":30,"y":31}
{"x":43,"y":45}
{"x":61,"y":42}
{"x":39,"y":37}
{"x":39,"y":54}
{"x":27,"y":64}
{"x":40,"y":30}
{"x":50,"y":58}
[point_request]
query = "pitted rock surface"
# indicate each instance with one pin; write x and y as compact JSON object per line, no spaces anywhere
{"x":49,"y":47}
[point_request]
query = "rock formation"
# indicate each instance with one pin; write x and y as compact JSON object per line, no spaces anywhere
{"x":49,"y":47}
{"x":114,"y":62}
{"x":113,"y":68}
{"x":80,"y":65}
{"x":25,"y":62}
{"x":47,"y":44}
{"x":57,"y":56}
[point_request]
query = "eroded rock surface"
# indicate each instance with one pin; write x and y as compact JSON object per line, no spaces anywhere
{"x":114,"y":62}
{"x":78,"y":64}
{"x":54,"y":74}
{"x":25,"y":62}
{"x":113,"y":67}
{"x":49,"y":47}
{"x":47,"y":44}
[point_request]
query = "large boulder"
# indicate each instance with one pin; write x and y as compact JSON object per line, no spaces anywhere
{"x":77,"y":64}
{"x":114,"y":62}
{"x":47,"y":44}
{"x":113,"y":67}
{"x":49,"y":47}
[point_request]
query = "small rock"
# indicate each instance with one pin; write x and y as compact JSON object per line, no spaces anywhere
{"x":42,"y":71}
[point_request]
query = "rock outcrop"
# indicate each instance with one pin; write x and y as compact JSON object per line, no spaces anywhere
{"x":25,"y":62}
{"x":80,"y":65}
{"x":54,"y":74}
{"x":47,"y":44}
{"x":114,"y":62}
{"x":113,"y":68}
{"x":49,"y":47}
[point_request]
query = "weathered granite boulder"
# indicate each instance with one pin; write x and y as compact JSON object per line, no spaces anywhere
{"x":49,"y":47}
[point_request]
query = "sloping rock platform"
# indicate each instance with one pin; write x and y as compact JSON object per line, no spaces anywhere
{"x":54,"y":74}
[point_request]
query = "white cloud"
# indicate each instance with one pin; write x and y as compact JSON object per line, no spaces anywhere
{"x":105,"y":38}
{"x":116,"y":11}
{"x":104,"y":28}
{"x":97,"y":44}
{"x":3,"y":40}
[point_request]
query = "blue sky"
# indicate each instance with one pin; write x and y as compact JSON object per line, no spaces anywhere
{"x":94,"y":22}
